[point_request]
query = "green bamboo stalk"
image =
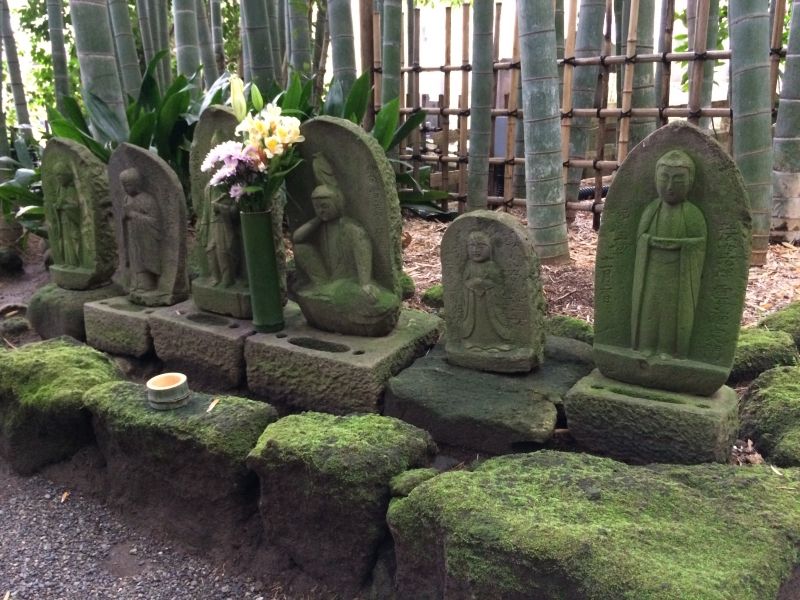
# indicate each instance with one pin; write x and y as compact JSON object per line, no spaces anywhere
{"x":644,"y":93}
{"x":159,"y":16}
{"x":127,"y":59}
{"x":14,"y":73}
{"x":786,"y":144}
{"x":96,"y":56}
{"x":480,"y":129}
{"x":752,"y":113}
{"x":540,"y":105}
{"x":708,"y":65}
{"x":275,"y":39}
{"x":145,"y":29}
{"x":588,"y":42}
{"x":216,"y":35}
{"x":667,"y":13}
{"x":4,"y":146}
{"x":391,"y":57}
{"x":284,"y":29}
{"x":340,"y":23}
{"x":559,"y":16}
{"x":55,"y":25}
{"x":321,"y":44}
{"x":259,"y":44}
{"x":519,"y":147}
{"x":207,"y":56}
{"x":187,"y":43}
{"x":621,"y":9}
{"x":244,"y":66}
{"x":299,"y":36}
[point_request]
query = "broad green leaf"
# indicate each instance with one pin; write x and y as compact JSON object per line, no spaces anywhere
{"x":291,"y":99}
{"x":168,"y":116}
{"x":24,"y":177}
{"x":106,"y":120}
{"x":73,"y":113}
{"x":414,"y":120}
{"x":30,"y":211}
{"x":142,"y":131}
{"x":386,"y":122}
{"x":357,"y":100}
{"x":334,"y":102}
{"x":63,"y":128}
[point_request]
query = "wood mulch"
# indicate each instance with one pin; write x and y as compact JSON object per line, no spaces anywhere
{"x":570,"y":288}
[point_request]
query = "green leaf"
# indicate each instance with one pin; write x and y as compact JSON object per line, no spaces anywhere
{"x":255,"y":98}
{"x":30,"y":211}
{"x":414,"y":120}
{"x":356,"y":105}
{"x":63,"y":128}
{"x":169,"y":115}
{"x":334,"y":102}
{"x":73,"y":113}
{"x":105,"y":120}
{"x":386,"y":122}
{"x":23,"y":154}
{"x":291,"y":99}
{"x":142,"y":131}
{"x":149,"y":98}
{"x":25,"y":177}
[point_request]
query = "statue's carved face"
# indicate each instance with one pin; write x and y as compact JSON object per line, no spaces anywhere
{"x":64,"y":176}
{"x":129,"y":179}
{"x":325,"y":207}
{"x":479,"y":247}
{"x":673,"y":183}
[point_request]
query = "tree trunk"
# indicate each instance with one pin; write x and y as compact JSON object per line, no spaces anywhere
{"x":55,"y":25}
{"x":340,"y":22}
{"x":259,"y":42}
{"x":540,"y":105}
{"x":125,"y":45}
{"x":96,"y":57}
{"x":644,"y":93}
{"x":300,"y":44}
{"x":14,"y":74}
{"x":207,"y":56}
{"x":216,"y":35}
{"x":481,"y":100}
{"x":752,"y":113}
{"x":786,"y":144}
{"x":584,"y":83}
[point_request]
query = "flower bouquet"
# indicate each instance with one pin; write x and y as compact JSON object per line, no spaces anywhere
{"x":252,"y":170}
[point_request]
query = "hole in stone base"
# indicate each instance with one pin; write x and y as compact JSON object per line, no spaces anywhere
{"x":525,"y":446}
{"x":280,"y":335}
{"x":205,"y":319}
{"x":314,"y":344}
{"x":358,"y":352}
{"x":127,"y":307}
{"x":233,"y":326}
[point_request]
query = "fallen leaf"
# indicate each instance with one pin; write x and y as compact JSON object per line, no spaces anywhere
{"x":64,"y":496}
{"x":7,"y":596}
{"x":776,"y":470}
{"x":211,"y":406}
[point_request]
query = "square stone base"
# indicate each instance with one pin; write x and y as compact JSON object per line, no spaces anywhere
{"x":54,"y":311}
{"x":487,"y":412}
{"x":118,"y":326}
{"x":233,"y":301}
{"x":316,"y":370}
{"x":208,"y":348}
{"x":641,"y":425}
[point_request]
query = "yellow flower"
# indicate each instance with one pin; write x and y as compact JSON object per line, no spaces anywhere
{"x":237,"y":97}
{"x":273,"y":147}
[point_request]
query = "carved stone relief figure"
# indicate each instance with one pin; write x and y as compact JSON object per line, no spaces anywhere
{"x":223,"y":237}
{"x":142,"y":233}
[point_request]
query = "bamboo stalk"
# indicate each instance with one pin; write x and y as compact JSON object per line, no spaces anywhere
{"x":216,"y":34}
{"x":377,"y":59}
{"x":463,"y":105}
{"x":340,"y":23}
{"x":416,"y":135}
{"x":776,"y":43}
{"x":566,"y":102}
{"x":480,"y":129}
{"x":697,"y":67}
{"x":187,"y":44}
{"x":627,"y":84}
{"x":601,"y":101}
{"x":664,"y":69}
{"x":444,"y":103}
{"x":145,"y":29}
{"x":14,"y":72}
{"x":511,"y":126}
{"x":207,"y":55}
{"x":367,"y":57}
{"x":55,"y":24}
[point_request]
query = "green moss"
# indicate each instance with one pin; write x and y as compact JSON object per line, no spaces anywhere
{"x":53,"y":375}
{"x":759,"y":350}
{"x":569,"y":327}
{"x":353,"y":450}
{"x":402,"y":484}
{"x":14,"y":326}
{"x":434,"y":296}
{"x":787,"y":320}
{"x":231,"y":428}
{"x":770,"y":414}
{"x":558,"y":525}
{"x":407,"y":285}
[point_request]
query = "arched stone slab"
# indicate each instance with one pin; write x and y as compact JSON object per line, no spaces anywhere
{"x":706,"y":335}
{"x":150,"y":224}
{"x":494,"y":306}
{"x":78,"y":212}
{"x":216,"y":124}
{"x":370,"y":216}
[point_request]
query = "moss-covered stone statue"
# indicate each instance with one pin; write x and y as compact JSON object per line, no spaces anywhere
{"x":494,"y":306}
{"x":150,"y":221}
{"x":345,"y":221}
{"x":78,"y":213}
{"x":670,"y":281}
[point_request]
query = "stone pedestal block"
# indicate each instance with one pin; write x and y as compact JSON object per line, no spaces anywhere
{"x":233,"y":301}
{"x":315,"y":370}
{"x":118,"y":326}
{"x":208,"y":348}
{"x":642,"y":425}
{"x":55,"y":311}
{"x":184,"y":469}
{"x":486,"y":412}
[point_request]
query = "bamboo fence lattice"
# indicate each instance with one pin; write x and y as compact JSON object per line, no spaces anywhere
{"x":444,"y":145}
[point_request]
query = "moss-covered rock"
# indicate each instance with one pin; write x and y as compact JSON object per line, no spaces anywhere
{"x":14,"y":326}
{"x":759,"y":350}
{"x":54,"y":311}
{"x":407,"y":286}
{"x":552,"y":525}
{"x":569,"y":327}
{"x":42,"y":414}
{"x":434,"y":296}
{"x":770,"y":415}
{"x":186,"y":465}
{"x":325,"y":488}
{"x":787,"y":319}
{"x":402,"y":484}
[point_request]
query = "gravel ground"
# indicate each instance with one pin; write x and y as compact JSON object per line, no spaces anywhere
{"x":73,"y":548}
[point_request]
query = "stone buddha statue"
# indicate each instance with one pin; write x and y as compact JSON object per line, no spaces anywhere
{"x":142,"y":233}
{"x":69,"y":218}
{"x":670,"y":253}
{"x":335,"y":285}
{"x":223,"y":243}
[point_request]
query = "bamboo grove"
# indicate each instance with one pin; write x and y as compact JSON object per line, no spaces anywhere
{"x":559,"y":120}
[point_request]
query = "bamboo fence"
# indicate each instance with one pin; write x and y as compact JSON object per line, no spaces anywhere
{"x":444,"y":146}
